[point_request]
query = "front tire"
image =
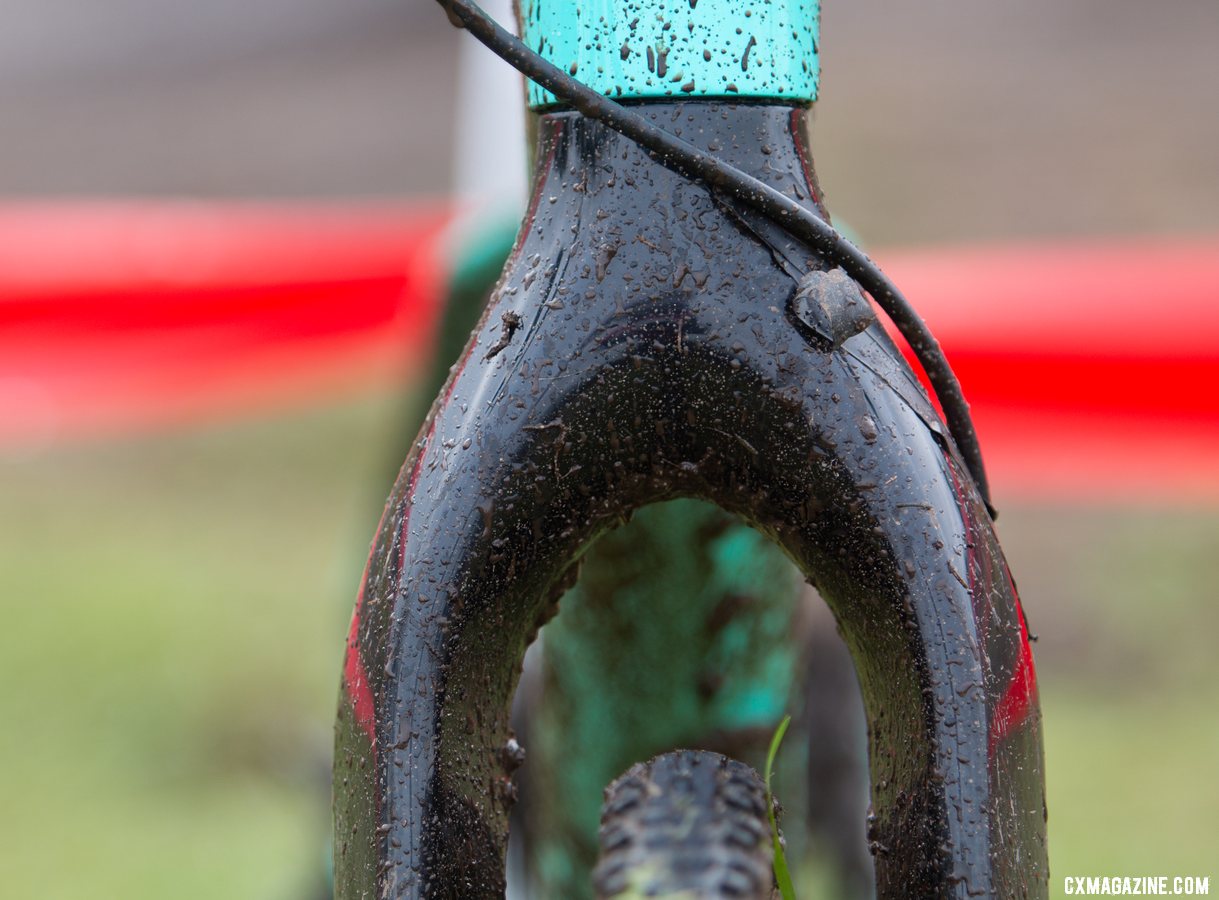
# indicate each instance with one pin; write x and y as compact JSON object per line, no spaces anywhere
{"x":689,"y":825}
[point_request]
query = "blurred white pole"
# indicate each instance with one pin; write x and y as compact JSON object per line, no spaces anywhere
{"x":489,"y":163}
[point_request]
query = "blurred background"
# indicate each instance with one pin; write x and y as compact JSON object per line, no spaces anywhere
{"x":177,"y":578}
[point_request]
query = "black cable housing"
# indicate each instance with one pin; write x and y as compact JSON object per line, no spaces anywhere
{"x":693,"y":163}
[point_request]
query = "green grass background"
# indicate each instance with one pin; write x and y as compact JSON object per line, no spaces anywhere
{"x":174,"y":613}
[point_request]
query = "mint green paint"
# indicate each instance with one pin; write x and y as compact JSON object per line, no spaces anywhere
{"x":637,"y":49}
{"x":755,"y":650}
{"x":680,"y":628}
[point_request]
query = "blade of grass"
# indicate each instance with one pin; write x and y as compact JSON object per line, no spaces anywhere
{"x":782,"y":875}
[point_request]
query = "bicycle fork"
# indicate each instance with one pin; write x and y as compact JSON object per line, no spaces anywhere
{"x":648,"y":341}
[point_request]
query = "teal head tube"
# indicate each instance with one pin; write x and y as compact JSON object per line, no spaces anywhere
{"x":651,"y":49}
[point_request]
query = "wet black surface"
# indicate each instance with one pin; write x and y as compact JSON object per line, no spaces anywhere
{"x":663,"y":348}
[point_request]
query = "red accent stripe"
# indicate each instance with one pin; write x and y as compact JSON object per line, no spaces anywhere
{"x":1017,"y":701}
{"x":355,"y":682}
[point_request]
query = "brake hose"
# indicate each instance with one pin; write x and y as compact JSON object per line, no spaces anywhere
{"x":691,"y":162}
